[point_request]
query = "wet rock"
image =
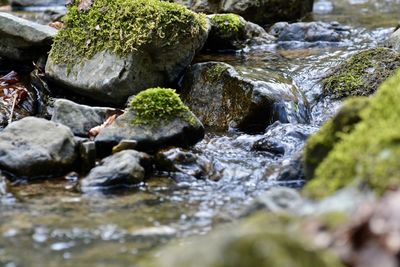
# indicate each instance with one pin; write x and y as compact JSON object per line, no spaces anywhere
{"x":273,"y":147}
{"x":3,"y":186}
{"x":260,"y":12}
{"x":362,"y":73}
{"x":292,"y":169}
{"x":367,"y":155}
{"x":394,"y":41}
{"x":309,"y":32}
{"x":156,"y":119}
{"x":87,"y":154}
{"x":257,"y":241}
{"x":80,"y":118}
{"x":22,"y":39}
{"x":44,"y":3}
{"x":230,"y":31}
{"x":221,"y":98}
{"x":185,"y":162}
{"x":319,"y":145}
{"x":145,"y":56}
{"x":34,"y":147}
{"x":124,"y":168}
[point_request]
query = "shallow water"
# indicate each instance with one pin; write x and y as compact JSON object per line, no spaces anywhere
{"x":49,"y":223}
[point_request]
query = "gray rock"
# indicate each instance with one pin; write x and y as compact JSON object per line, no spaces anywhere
{"x":80,"y":118}
{"x":3,"y":186}
{"x":87,"y":153}
{"x":394,"y":41}
{"x":111,"y":79}
{"x":124,"y":168}
{"x":34,"y":147}
{"x":222,"y":98}
{"x":27,"y":3}
{"x":175,"y":132}
{"x":261,"y":12}
{"x":22,"y":39}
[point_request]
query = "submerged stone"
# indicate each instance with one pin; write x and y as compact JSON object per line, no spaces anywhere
{"x":34,"y":147}
{"x":109,"y":53}
{"x":221,"y":98}
{"x":368,"y":155}
{"x":362,"y":73}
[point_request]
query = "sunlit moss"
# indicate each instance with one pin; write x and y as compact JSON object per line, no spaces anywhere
{"x":227,"y":23}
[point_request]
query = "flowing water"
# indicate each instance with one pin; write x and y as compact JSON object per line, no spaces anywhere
{"x":50,"y":223}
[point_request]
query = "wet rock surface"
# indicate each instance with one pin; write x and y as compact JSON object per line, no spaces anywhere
{"x":221,"y":98}
{"x":394,"y":41}
{"x":125,"y":168}
{"x":34,"y":147}
{"x":22,"y":39}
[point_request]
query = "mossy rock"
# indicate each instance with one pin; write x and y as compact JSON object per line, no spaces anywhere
{"x":362,"y":73}
{"x":114,"y":49}
{"x":320,"y":144}
{"x":261,"y":240}
{"x":369,"y":154}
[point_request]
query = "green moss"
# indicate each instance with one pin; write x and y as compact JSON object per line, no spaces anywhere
{"x":320,"y":144}
{"x":214,"y":72}
{"x":227,"y":23}
{"x":369,"y":154}
{"x":362,"y":74}
{"x":159,"y":104}
{"x":123,"y":26}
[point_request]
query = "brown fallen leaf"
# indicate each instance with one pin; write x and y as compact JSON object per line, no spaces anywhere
{"x":96,"y":130}
{"x":57,"y":25}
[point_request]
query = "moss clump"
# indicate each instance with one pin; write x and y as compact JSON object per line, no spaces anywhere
{"x":227,"y":23}
{"x":123,"y":26}
{"x":320,"y":144}
{"x":158,"y":104}
{"x":362,"y":74}
{"x":369,"y":154}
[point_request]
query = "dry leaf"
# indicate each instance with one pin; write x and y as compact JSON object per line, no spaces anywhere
{"x":96,"y":130}
{"x":57,"y":25}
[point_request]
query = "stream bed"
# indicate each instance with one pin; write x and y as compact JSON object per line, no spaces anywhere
{"x":49,"y":223}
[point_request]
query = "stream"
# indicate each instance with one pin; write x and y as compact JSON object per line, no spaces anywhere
{"x":48,"y":223}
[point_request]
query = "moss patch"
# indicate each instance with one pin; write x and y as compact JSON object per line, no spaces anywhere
{"x":320,"y":144}
{"x":227,"y":23}
{"x":159,"y":104}
{"x":123,"y":26}
{"x":369,"y":154}
{"x":362,"y":74}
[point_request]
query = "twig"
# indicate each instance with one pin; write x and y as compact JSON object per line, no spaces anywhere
{"x":12,"y":108}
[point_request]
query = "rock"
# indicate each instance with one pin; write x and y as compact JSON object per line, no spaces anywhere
{"x":260,"y":12}
{"x":3,"y":186}
{"x":394,"y":41}
{"x":124,"y":168}
{"x":185,"y":162}
{"x":221,"y":98}
{"x":368,"y":155}
{"x":80,"y":118}
{"x":34,"y":147}
{"x":319,"y":145}
{"x":87,"y":154}
{"x":230,"y":31}
{"x":362,"y":73}
{"x":22,"y":39}
{"x":44,"y":3}
{"x":156,"y":119}
{"x":260,"y":240}
{"x":124,"y":56}
{"x":309,"y":32}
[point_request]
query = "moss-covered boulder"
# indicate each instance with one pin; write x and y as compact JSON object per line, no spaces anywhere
{"x":369,"y":154}
{"x":156,"y":118}
{"x":320,"y":144}
{"x":222,"y":98}
{"x":260,"y":12}
{"x":260,"y":240}
{"x":110,"y":50}
{"x":362,"y":73}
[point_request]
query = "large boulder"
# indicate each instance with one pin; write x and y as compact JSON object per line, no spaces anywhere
{"x":260,"y":12}
{"x":80,"y":118}
{"x":222,"y":98}
{"x":22,"y":39}
{"x":109,"y":53}
{"x":156,"y":118}
{"x":362,"y":73}
{"x":394,"y":41}
{"x":368,"y":155}
{"x":124,"y":168}
{"x":34,"y":147}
